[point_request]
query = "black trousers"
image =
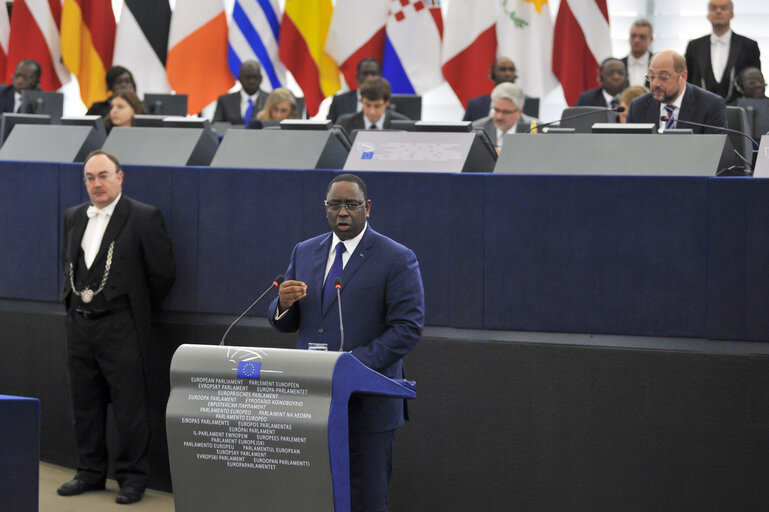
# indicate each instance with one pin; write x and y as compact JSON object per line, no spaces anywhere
{"x":371,"y":462}
{"x":105,"y":366}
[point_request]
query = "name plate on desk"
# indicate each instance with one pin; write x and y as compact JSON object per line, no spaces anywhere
{"x":611,"y":154}
{"x":418,"y":151}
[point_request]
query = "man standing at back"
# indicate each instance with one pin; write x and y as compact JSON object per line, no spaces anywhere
{"x":637,"y":63}
{"x":118,"y":264}
{"x":715,"y":60}
{"x":383,"y":305}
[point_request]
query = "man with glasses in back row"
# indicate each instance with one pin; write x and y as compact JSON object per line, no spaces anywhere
{"x":118,"y":264}
{"x":383,"y":305}
{"x":672,"y":101}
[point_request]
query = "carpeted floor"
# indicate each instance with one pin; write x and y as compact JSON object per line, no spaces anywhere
{"x":51,"y":477}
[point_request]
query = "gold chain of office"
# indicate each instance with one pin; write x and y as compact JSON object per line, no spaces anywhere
{"x":87,"y":295}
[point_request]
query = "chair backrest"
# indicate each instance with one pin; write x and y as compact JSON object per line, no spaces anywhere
{"x":737,"y":119}
{"x":588,"y":117}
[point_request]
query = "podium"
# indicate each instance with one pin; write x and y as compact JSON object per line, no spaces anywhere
{"x":264,"y":429}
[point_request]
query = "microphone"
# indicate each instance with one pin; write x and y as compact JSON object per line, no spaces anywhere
{"x":338,"y":286}
{"x":575,"y":116}
{"x":713,"y":127}
{"x":276,"y":282}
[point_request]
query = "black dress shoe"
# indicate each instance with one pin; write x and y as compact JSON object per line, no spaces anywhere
{"x":128,"y":495}
{"x":77,"y":486}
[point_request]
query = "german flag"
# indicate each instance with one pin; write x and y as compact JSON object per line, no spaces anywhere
{"x":87,"y":40}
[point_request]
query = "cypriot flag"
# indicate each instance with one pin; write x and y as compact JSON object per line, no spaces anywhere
{"x":525,"y":35}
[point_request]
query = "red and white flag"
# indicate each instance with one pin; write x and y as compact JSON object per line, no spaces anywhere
{"x":35,"y":35}
{"x":582,"y":40}
{"x":357,"y":31}
{"x":470,"y":46}
{"x":5,"y":32}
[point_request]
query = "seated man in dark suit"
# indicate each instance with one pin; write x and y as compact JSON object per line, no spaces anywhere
{"x":672,"y":101}
{"x":613,"y":80}
{"x":375,"y":96}
{"x":752,"y":85}
{"x":246,"y":103}
{"x":508,"y":101}
{"x":502,"y":70}
{"x":26,"y":77}
{"x":349,"y":102}
{"x":715,"y":60}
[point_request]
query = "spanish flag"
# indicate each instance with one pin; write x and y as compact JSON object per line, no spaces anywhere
{"x":87,"y":40}
{"x":303,"y":34}
{"x":196,"y":64}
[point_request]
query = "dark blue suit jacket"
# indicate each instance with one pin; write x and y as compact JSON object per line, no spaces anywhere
{"x":699,"y":106}
{"x":7,"y":98}
{"x":341,"y":104}
{"x":591,"y":98}
{"x":382,"y":309}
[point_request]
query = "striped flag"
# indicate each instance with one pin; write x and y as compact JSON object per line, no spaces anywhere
{"x":87,"y":41}
{"x":412,"y":58}
{"x":254,"y":34}
{"x":525,"y":35}
{"x":5,"y":32}
{"x":197,"y":52}
{"x":35,"y":35}
{"x":302,"y":41}
{"x":357,"y":31}
{"x":469,"y":47}
{"x":141,"y":44}
{"x":582,"y":40}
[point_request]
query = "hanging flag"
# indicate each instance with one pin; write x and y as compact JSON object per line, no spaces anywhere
{"x":5,"y":32}
{"x":302,"y":40}
{"x":87,"y":40}
{"x":357,"y":31}
{"x":470,"y":46}
{"x":141,"y":43}
{"x":254,"y":35}
{"x":412,"y":59}
{"x":35,"y":35}
{"x":582,"y":40}
{"x":197,"y":52}
{"x":525,"y":35}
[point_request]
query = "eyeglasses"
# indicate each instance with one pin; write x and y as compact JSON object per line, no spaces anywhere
{"x":664,"y":77}
{"x":335,"y":206}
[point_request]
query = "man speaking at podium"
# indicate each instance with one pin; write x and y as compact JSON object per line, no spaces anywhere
{"x":383,"y":305}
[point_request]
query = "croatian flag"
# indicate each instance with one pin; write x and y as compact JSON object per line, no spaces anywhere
{"x":253,"y":35}
{"x":412,"y":56}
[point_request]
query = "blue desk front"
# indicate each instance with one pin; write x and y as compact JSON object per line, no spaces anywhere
{"x":658,"y":256}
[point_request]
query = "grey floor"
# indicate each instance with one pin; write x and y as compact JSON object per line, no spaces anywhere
{"x":51,"y":477}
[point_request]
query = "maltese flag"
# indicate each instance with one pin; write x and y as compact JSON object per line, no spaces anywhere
{"x":412,"y":55}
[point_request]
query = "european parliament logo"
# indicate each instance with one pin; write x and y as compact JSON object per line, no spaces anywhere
{"x":367,"y":155}
{"x":249,"y":369}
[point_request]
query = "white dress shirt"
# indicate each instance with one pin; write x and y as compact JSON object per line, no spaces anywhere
{"x":244,"y":104}
{"x":719,"y":53}
{"x":349,"y":246}
{"x":94,"y":231}
{"x":637,"y":69}
{"x":677,"y":103}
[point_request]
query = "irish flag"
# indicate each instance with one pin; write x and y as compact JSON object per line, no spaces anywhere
{"x":197,"y":52}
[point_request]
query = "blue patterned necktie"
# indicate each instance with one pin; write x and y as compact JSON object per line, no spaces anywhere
{"x":671,"y":122}
{"x":249,"y":111}
{"x":336,"y":271}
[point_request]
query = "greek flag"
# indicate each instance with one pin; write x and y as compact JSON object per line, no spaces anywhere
{"x":253,"y":34}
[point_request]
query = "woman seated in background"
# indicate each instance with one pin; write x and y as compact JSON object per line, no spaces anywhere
{"x":125,"y":106}
{"x":119,"y":80}
{"x":280,"y":105}
{"x":627,"y":96}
